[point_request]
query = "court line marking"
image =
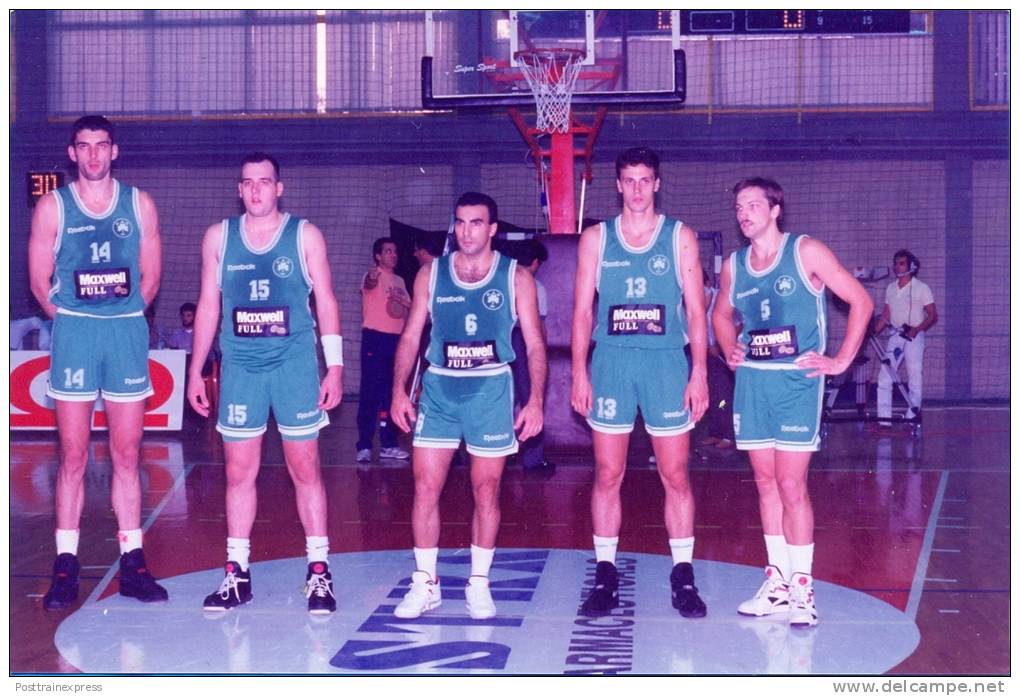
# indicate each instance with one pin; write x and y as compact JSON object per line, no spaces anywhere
{"x":941,"y":580}
{"x":949,"y":611}
{"x":917,"y":586}
{"x":149,"y":521}
{"x":945,"y":550}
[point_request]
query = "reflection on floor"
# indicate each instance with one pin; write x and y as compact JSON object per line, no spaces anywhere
{"x":922,"y":525}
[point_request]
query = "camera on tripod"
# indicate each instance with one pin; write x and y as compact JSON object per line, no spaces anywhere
{"x":904,"y":332}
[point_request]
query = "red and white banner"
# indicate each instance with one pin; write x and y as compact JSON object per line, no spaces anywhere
{"x":31,"y":409}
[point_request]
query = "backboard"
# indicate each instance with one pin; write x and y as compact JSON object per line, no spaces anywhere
{"x":630,"y":56}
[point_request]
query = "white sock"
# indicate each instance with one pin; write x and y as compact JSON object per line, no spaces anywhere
{"x":238,"y":550}
{"x":682,"y":550}
{"x":317,"y":548}
{"x":605,"y":548}
{"x":130,"y":539}
{"x":67,"y":541}
{"x":481,"y":560}
{"x":801,"y":558}
{"x":779,"y":554}
{"x":426,"y":560}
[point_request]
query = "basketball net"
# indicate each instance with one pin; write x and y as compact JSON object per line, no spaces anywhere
{"x":551,"y":74}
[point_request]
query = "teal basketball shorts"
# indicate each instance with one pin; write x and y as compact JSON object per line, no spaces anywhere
{"x":777,"y":408}
{"x":89,"y":355}
{"x":477,"y":409}
{"x":290,"y":389}
{"x":624,"y":380}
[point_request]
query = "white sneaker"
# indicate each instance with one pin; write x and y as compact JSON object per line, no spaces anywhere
{"x":478,"y":598}
{"x":802,"y":601}
{"x":393,"y":453}
{"x":364,"y":455}
{"x":422,"y":595}
{"x":773,"y":597}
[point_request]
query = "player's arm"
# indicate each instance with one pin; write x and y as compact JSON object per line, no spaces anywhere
{"x":530,"y":419}
{"x":722,"y":321}
{"x":150,"y":260}
{"x":819,"y":261}
{"x":401,"y":409}
{"x":689,"y":262}
{"x":41,"y":259}
{"x":327,"y":315}
{"x":581,"y":324}
{"x":207,"y":315}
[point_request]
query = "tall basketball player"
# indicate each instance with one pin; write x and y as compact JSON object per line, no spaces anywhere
{"x":646,"y":271}
{"x":94,"y":261}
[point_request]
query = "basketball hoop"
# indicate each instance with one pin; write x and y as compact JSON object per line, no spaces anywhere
{"x":551,"y":73}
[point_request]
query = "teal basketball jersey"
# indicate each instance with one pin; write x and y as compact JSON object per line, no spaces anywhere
{"x":640,"y":291}
{"x":783,"y":314}
{"x":265,"y":296}
{"x":96,"y":268}
{"x":471,"y":322}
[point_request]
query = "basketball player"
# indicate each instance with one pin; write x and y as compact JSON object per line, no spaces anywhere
{"x":262,"y":267}
{"x":778,"y":284}
{"x":94,"y":262}
{"x":643,"y":265}
{"x":474,"y":297}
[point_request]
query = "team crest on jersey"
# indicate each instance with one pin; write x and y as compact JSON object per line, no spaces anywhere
{"x":283,"y":267}
{"x":492,"y":299}
{"x":122,"y":228}
{"x":785,"y":285}
{"x":658,"y":265}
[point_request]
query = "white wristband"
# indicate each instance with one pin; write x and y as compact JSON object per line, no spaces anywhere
{"x":333,"y":349}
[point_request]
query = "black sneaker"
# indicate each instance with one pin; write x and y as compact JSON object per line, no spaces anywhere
{"x":64,"y":586}
{"x":319,"y":589}
{"x":685,"y":594}
{"x":234,"y":591}
{"x":136,"y":580}
{"x":605,"y":596}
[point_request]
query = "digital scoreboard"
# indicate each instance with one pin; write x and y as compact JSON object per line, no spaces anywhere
{"x":41,"y":183}
{"x":795,"y":22}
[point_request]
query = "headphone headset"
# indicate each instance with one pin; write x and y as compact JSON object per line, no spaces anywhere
{"x":913,"y":265}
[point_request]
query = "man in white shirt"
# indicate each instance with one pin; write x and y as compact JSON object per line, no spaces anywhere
{"x":910,"y":309}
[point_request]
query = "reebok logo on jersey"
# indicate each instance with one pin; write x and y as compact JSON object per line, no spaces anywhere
{"x":240,"y":267}
{"x":615,"y":264}
{"x":304,"y":415}
{"x":134,"y":380}
{"x":450,"y":298}
{"x":77,"y":230}
{"x":793,"y":428}
{"x":674,"y":414}
{"x":747,"y":293}
{"x":496,"y":438}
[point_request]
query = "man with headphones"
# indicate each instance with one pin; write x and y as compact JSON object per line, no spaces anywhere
{"x":910,"y":309}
